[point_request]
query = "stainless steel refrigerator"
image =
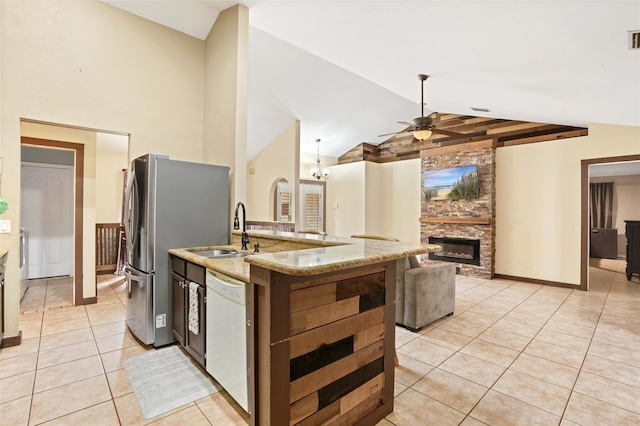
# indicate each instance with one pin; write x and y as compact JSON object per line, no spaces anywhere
{"x":169,"y":204}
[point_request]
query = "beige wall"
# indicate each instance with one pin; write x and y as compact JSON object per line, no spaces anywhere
{"x":626,"y":205}
{"x":380,"y":199}
{"x":109,"y":185}
{"x":279,"y":160}
{"x":374,"y":222}
{"x":538,"y":201}
{"x":225,"y":108}
{"x":346,"y":199}
{"x":400,"y":202}
{"x":89,"y":64}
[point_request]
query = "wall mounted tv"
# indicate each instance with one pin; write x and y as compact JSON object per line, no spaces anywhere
{"x":451,"y":184}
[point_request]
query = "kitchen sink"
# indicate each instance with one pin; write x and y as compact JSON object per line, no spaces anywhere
{"x":219,"y":253}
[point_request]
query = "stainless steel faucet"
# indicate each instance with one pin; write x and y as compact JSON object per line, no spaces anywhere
{"x":236,"y":225}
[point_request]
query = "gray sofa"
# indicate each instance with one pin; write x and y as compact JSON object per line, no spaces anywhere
{"x":424,"y":294}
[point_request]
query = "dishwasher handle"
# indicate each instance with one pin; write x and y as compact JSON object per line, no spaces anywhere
{"x":227,"y":287}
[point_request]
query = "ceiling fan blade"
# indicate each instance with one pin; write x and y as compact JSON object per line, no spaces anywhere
{"x":397,"y":134}
{"x":405,"y":123}
{"x":446,"y":132}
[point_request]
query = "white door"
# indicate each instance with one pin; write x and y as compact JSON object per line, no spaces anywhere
{"x":47,"y":213}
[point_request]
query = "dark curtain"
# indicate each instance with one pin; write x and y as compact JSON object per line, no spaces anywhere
{"x":601,"y":197}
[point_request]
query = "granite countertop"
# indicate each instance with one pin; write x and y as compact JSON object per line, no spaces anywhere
{"x":282,"y":252}
{"x":234,"y":267}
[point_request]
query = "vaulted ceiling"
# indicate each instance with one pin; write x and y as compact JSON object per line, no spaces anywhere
{"x":348,"y":69}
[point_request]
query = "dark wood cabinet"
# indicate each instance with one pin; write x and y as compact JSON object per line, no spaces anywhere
{"x":633,"y":247}
{"x":182,"y":275}
{"x":178,"y":307}
{"x":604,"y":243}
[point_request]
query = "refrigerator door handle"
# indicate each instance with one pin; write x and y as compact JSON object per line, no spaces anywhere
{"x":130,"y":223}
{"x":131,"y":276}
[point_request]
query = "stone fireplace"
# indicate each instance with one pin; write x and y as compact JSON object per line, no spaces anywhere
{"x":455,"y":221}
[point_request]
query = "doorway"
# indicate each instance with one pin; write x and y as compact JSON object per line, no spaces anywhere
{"x":74,"y":274}
{"x":312,"y":206}
{"x":46,"y":223}
{"x":585,"y":230}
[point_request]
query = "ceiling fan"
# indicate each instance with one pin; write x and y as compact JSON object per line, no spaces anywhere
{"x":423,"y":127}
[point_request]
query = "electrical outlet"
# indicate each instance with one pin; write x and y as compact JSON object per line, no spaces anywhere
{"x":5,"y":226}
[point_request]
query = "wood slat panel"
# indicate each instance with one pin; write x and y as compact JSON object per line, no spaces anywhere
{"x":371,"y":300}
{"x":371,"y":352}
{"x":359,"y":412}
{"x":311,"y":340}
{"x":545,"y":138}
{"x":517,"y":127}
{"x":366,"y":337}
{"x":321,"y":357}
{"x":303,"y":386}
{"x":455,"y":148}
{"x":360,"y":285}
{"x":328,"y":415}
{"x":304,"y":408}
{"x":312,"y":297}
{"x":336,"y":277}
{"x":320,"y":315}
{"x":349,"y":383}
{"x":362,"y":394}
{"x":465,"y":220}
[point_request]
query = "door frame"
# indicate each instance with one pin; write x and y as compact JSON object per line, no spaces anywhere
{"x":584,"y":212}
{"x":78,"y":182}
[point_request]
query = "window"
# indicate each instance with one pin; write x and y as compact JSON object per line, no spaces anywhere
{"x":283,"y":202}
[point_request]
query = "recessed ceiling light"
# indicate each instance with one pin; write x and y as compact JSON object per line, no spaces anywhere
{"x":479,"y":109}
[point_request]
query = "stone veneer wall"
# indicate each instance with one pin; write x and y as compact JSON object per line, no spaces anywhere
{"x":484,"y":207}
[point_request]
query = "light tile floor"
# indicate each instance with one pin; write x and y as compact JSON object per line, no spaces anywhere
{"x":513,"y":353}
{"x":47,"y":293}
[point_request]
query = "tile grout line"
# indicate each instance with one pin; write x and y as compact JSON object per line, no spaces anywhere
{"x":588,"y":347}
{"x":490,"y":388}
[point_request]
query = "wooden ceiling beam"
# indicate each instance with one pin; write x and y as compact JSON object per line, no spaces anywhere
{"x":500,"y":132}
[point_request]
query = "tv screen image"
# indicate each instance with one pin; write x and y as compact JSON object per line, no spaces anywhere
{"x":451,"y":184}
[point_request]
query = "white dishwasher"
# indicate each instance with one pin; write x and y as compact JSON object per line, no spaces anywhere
{"x":227,"y":335}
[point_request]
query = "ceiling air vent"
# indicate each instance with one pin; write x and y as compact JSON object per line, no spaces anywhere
{"x":478,"y":109}
{"x":634,"y":39}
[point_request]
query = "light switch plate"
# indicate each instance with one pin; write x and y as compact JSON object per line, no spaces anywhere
{"x":5,"y":226}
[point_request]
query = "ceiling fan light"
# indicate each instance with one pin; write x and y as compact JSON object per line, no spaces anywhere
{"x":422,"y":135}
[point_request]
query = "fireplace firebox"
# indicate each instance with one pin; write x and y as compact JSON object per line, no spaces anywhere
{"x":457,"y":250}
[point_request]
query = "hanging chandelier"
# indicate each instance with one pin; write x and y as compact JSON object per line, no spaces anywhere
{"x":318,"y":171}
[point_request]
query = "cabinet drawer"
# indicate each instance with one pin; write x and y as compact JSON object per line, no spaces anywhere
{"x":179,"y":265}
{"x":196,"y":273}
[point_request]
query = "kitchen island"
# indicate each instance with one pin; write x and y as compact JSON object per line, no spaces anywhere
{"x":321,"y":316}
